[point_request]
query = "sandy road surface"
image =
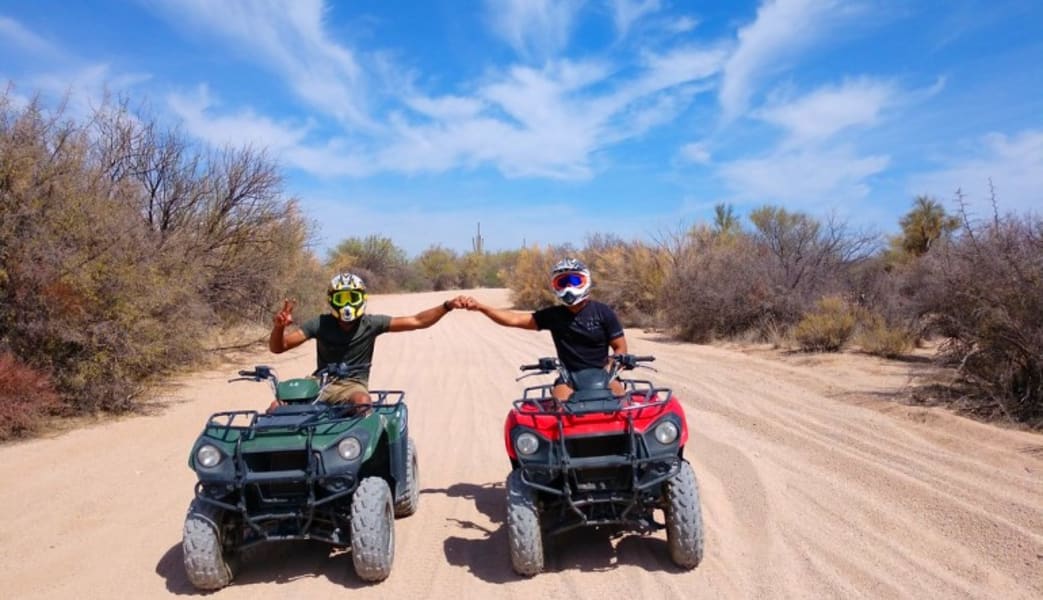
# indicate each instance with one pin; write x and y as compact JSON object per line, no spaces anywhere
{"x":812,"y":486}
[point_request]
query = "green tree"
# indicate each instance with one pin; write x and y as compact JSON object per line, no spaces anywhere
{"x":926,"y":223}
{"x":725,"y":222}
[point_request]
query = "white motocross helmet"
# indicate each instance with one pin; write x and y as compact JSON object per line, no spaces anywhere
{"x":346,"y":296}
{"x":570,"y":281}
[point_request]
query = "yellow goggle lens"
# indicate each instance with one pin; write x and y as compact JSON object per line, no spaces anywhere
{"x":342,"y":298}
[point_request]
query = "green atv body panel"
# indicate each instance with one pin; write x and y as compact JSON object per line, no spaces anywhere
{"x":302,"y":389}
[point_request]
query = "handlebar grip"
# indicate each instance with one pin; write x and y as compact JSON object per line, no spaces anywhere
{"x":247,"y":374}
{"x":648,"y":358}
{"x":530,"y":367}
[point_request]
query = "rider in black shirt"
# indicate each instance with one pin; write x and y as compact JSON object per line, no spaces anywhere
{"x":583,"y":330}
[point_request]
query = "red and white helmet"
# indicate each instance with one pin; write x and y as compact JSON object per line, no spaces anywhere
{"x":347,"y":296}
{"x":570,"y":281}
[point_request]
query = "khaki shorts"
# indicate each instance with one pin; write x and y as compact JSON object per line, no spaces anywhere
{"x":340,"y":391}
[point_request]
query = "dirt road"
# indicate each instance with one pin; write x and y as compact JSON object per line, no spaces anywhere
{"x":813,"y":486}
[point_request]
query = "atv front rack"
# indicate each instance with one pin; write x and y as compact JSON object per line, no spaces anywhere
{"x":642,"y":470}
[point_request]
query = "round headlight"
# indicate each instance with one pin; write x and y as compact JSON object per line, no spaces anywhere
{"x":208,"y":456}
{"x":666,"y":432}
{"x":526,"y":443}
{"x":349,"y":448}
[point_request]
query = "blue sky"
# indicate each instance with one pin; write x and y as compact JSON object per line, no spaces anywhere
{"x":547,"y":121}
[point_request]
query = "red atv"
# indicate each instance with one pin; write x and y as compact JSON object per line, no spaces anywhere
{"x":599,"y":460}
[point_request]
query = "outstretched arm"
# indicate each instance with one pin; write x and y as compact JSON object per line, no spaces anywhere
{"x":507,"y":318}
{"x":425,"y":318}
{"x":278,"y":340}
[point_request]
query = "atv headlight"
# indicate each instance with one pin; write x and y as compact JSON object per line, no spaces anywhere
{"x":666,"y":432}
{"x":349,"y":448}
{"x":208,"y":456}
{"x":526,"y":443}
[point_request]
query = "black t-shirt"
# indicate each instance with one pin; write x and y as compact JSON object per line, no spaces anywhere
{"x":581,"y":339}
{"x":334,"y":345}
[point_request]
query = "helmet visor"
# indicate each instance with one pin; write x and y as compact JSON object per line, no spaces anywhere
{"x":342,"y":298}
{"x":567,"y":280}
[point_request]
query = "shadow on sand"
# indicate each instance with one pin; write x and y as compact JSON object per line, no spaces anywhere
{"x":584,"y":549}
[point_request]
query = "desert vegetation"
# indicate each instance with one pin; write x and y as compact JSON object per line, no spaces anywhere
{"x":124,"y":247}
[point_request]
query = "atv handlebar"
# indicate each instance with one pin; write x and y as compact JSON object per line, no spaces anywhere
{"x":621,"y":362}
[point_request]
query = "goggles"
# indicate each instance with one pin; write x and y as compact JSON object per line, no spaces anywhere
{"x":571,"y":279}
{"x":342,"y":298}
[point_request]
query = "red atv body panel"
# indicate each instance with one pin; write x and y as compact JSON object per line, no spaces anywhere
{"x":536,"y":415}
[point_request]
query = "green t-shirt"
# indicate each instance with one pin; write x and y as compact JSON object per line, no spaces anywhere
{"x":334,"y":345}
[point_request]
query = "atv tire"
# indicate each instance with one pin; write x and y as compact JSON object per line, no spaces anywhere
{"x":684,"y":518}
{"x":523,"y":527}
{"x":410,"y":499}
{"x":372,"y":529}
{"x":208,"y":564}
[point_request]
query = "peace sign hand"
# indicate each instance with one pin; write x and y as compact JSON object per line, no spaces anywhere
{"x":285,"y":316}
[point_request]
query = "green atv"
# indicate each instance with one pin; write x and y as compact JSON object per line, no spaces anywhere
{"x":304,"y":470}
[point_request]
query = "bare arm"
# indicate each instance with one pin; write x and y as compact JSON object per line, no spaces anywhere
{"x":619,"y":345}
{"x":507,"y":318}
{"x":278,"y":340}
{"x":425,"y":318}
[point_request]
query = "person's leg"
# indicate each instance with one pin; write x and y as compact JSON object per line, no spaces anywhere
{"x":345,"y":391}
{"x":561,"y":391}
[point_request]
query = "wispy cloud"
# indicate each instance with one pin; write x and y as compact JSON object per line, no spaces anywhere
{"x":782,"y":30}
{"x":808,"y":177}
{"x":16,"y":35}
{"x":537,"y":29}
{"x":1013,"y":163}
{"x":626,"y":12}
{"x":827,"y":110}
{"x":291,"y":40}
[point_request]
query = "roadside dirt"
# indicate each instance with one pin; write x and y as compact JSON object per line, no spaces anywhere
{"x":814,"y":483}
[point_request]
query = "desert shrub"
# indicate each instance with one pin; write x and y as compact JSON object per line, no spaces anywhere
{"x":26,"y":398}
{"x":878,"y":337}
{"x":383,"y":262}
{"x":439,"y":267}
{"x":529,"y":278}
{"x":119,"y":248}
{"x":827,"y":328}
{"x":628,"y":276}
{"x":983,"y":290}
{"x":716,"y":287}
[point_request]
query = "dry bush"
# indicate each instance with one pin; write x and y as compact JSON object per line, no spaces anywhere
{"x":439,"y":267}
{"x":876,"y":336}
{"x":27,"y":397}
{"x":984,"y":292}
{"x":119,"y":248}
{"x":529,"y":280}
{"x":827,"y":328}
{"x":716,"y":287}
{"x":383,"y":262}
{"x":628,"y":276}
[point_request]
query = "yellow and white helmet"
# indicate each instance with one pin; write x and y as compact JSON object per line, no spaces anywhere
{"x":347,"y":296}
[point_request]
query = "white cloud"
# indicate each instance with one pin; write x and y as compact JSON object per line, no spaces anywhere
{"x":290,"y":41}
{"x":13,"y":33}
{"x":809,"y":177}
{"x":534,"y":28}
{"x":288,"y":142}
{"x":696,"y":152}
{"x":626,"y":12}
{"x":830,"y":109}
{"x":1014,"y":163}
{"x":781,"y":31}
